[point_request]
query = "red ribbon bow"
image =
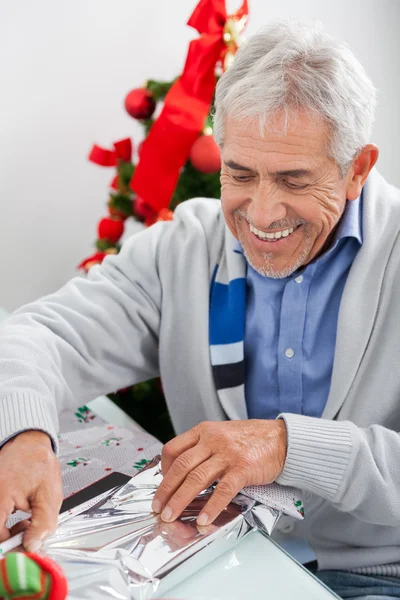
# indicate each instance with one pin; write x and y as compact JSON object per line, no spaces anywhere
{"x":109,"y":158}
{"x":186,"y":107}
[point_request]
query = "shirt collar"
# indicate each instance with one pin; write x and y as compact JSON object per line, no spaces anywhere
{"x":351,"y":222}
{"x":350,"y":225}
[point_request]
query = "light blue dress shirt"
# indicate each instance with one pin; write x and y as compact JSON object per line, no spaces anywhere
{"x":290,"y":328}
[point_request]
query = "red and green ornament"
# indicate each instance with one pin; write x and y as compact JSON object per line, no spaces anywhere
{"x":25,"y":576}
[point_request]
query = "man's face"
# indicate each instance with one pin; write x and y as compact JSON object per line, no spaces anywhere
{"x":282,"y":196}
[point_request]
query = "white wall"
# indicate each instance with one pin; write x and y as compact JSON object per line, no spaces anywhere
{"x":65,"y":68}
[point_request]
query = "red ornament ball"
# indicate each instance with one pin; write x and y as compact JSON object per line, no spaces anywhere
{"x":205,"y":155}
{"x":110,"y":229}
{"x":140,"y":104}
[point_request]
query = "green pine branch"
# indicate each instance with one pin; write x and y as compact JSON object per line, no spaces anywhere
{"x":159,"y":89}
{"x":121,"y":202}
{"x":103,"y":245}
{"x":193,"y":184}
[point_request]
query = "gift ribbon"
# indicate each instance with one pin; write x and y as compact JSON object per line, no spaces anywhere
{"x":186,"y":107}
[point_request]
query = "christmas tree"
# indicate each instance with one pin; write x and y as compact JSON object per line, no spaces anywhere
{"x":177,"y":160}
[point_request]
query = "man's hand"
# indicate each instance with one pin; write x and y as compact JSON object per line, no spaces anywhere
{"x":238,"y":453}
{"x":30,"y":480}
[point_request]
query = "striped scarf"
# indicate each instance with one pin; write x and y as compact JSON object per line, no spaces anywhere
{"x":226,"y":333}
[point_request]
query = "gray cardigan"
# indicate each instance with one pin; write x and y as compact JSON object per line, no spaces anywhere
{"x":145,"y":312}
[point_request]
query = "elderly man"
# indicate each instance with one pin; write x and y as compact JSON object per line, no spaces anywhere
{"x":272,"y":318}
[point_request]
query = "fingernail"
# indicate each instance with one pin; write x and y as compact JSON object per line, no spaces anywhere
{"x":34,"y":546}
{"x":156,"y":506}
{"x":202,"y":519}
{"x":166,"y":513}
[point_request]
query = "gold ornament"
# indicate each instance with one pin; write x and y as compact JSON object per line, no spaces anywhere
{"x":208,"y":130}
{"x":228,"y":59}
{"x":232,"y":37}
{"x":232,"y":31}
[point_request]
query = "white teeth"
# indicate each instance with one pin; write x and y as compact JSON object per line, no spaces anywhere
{"x":271,"y":236}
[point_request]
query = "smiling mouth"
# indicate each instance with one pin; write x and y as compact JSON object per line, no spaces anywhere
{"x":273,"y":236}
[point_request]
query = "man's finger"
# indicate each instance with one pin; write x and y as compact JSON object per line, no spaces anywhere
{"x":19,"y":527}
{"x":181,"y":467}
{"x":177,"y":446}
{"x":4,"y":533}
{"x":45,"y":508}
{"x":196,"y":481}
{"x":229,"y":486}
{"x":5,"y":512}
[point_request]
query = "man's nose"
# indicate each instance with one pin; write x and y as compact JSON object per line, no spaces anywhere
{"x":266,"y":205}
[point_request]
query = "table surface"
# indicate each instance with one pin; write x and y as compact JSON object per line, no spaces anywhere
{"x":256,"y":568}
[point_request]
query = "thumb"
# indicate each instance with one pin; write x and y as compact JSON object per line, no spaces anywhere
{"x":4,"y":533}
{"x":43,"y":522}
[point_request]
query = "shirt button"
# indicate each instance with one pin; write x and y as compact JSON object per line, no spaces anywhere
{"x":289,"y":352}
{"x":299,"y":279}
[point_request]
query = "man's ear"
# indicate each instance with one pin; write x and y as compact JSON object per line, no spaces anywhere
{"x":360,"y":169}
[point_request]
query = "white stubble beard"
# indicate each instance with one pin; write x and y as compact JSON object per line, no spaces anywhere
{"x":267,"y":269}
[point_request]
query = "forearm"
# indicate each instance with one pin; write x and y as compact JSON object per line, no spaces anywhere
{"x":355,"y":469}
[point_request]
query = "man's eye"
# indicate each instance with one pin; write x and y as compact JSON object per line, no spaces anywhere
{"x":241,"y":178}
{"x":295,"y":186}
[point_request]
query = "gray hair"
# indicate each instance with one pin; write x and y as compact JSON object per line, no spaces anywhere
{"x":291,"y":65}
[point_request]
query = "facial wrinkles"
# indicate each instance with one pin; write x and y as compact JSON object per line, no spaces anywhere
{"x":326,"y":198}
{"x":299,"y":144}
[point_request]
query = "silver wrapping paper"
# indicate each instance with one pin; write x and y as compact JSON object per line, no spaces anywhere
{"x":118,"y":548}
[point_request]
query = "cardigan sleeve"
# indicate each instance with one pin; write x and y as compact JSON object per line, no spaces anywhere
{"x":95,"y":335}
{"x":354,"y":468}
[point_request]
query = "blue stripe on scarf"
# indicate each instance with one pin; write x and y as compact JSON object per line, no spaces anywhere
{"x":226,"y":330}
{"x":227,"y":312}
